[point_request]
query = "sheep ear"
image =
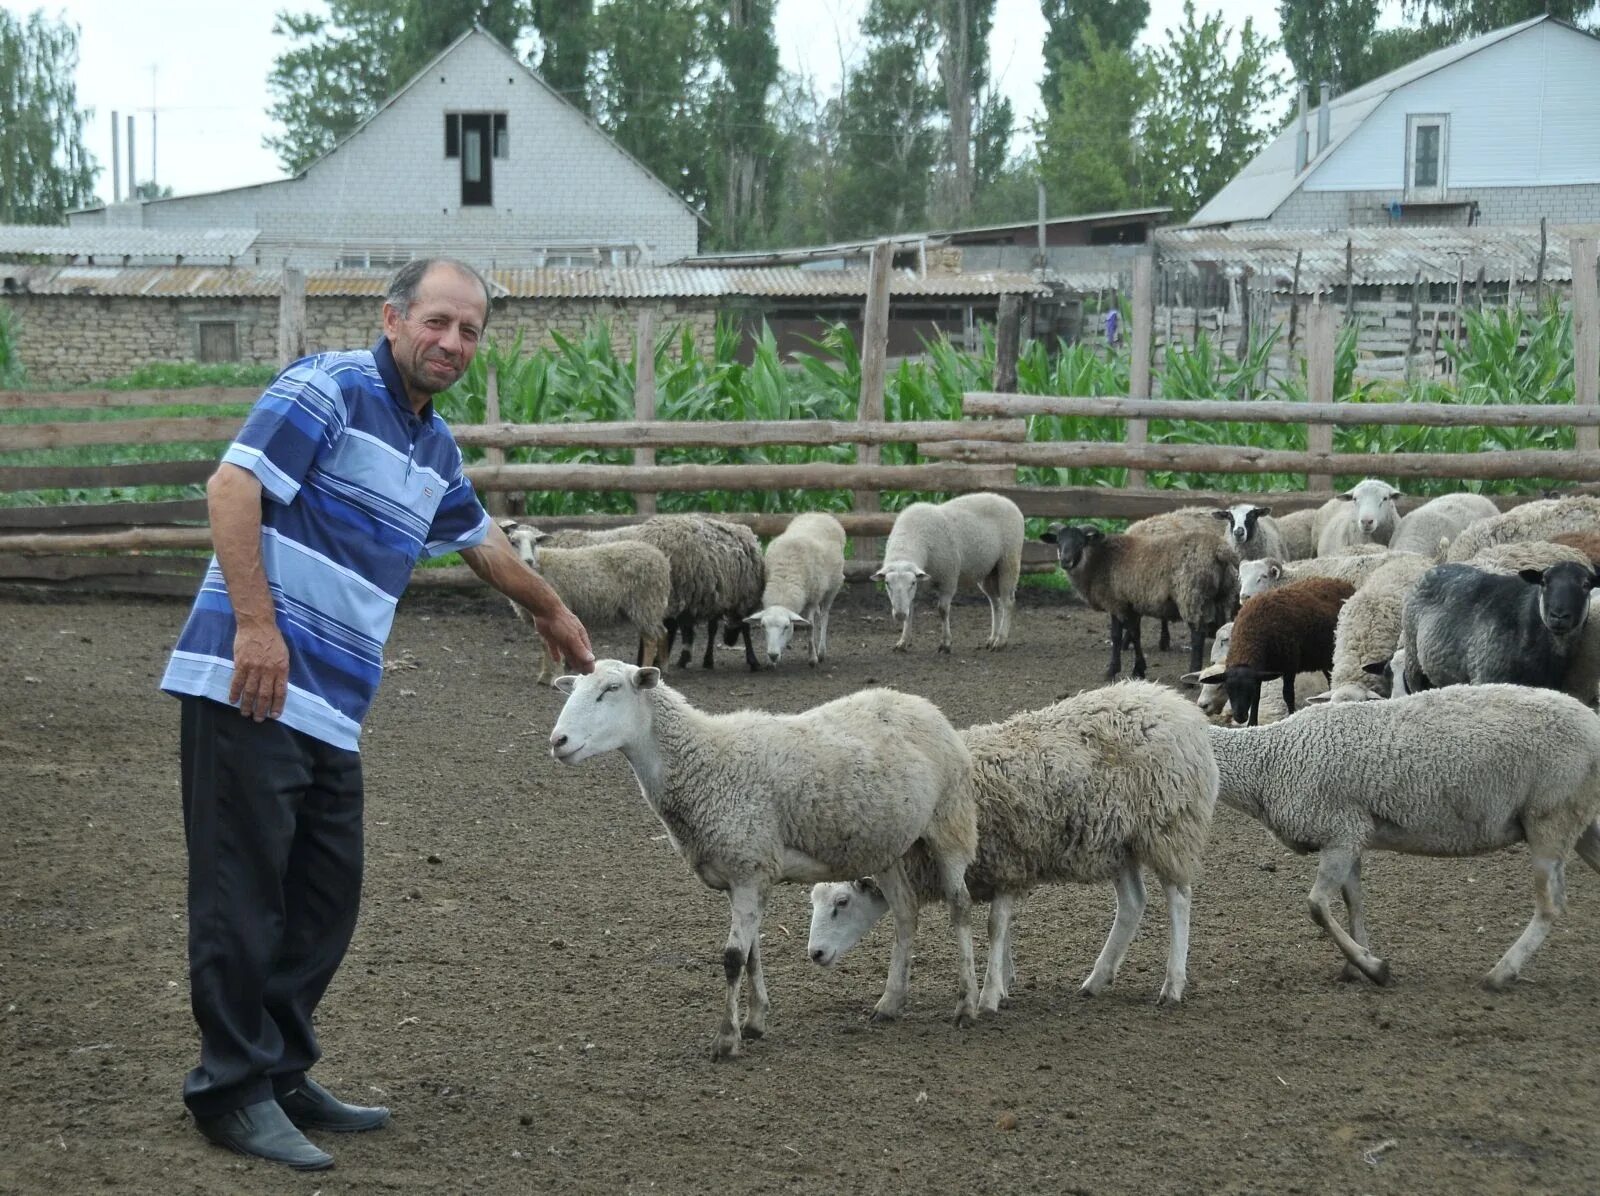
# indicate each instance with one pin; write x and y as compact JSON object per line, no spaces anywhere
{"x":1212,"y":676}
{"x":564,"y":685}
{"x":1048,"y":537}
{"x":1093,"y":533}
{"x":800,"y":621}
{"x":1318,"y":699}
{"x":922,"y":575}
{"x":646,"y":678}
{"x":751,"y":620}
{"x":878,"y":574}
{"x":1533,"y":577}
{"x":1265,"y":677}
{"x":1222,"y":514}
{"x":506,"y":525}
{"x":1260,"y":511}
{"x":1375,"y":668}
{"x":869,"y":886}
{"x":1345,"y":497}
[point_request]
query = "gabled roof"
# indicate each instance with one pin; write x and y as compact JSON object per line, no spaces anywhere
{"x":475,"y":30}
{"x":1256,"y":192}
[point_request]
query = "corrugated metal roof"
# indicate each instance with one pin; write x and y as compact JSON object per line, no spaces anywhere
{"x":178,"y":282}
{"x":1379,"y":254}
{"x":103,"y":242}
{"x":1269,"y":178}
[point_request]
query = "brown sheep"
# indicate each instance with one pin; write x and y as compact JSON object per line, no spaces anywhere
{"x":1278,"y":633}
{"x":1587,"y":543}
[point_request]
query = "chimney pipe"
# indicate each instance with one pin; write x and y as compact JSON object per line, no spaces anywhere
{"x":133,"y":187}
{"x":1323,"y":118}
{"x":1302,"y":133}
{"x":116,"y":157}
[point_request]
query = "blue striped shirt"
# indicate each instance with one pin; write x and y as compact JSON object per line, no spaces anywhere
{"x":357,"y":488}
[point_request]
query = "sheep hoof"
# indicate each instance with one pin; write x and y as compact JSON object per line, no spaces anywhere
{"x":1498,"y":982}
{"x":1350,"y":973}
{"x":724,"y":1046}
{"x":1171,"y":996}
{"x":750,"y":1030}
{"x":683,"y":661}
{"x":901,"y":647}
{"x":1379,"y":973}
{"x":966,"y":1016}
{"x":944,"y":649}
{"x":885,"y":1013}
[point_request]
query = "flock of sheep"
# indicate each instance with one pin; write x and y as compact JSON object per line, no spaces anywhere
{"x":1470,"y":625}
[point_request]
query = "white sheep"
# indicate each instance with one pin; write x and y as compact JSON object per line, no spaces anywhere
{"x":1365,"y":513}
{"x":1085,"y":791}
{"x":1440,"y":519}
{"x":1297,"y":531}
{"x":1251,"y":531}
{"x":805,"y":571}
{"x":1457,"y":771}
{"x":627,"y":581}
{"x":753,"y":799}
{"x":1531,"y":521}
{"x":1369,"y":629}
{"x":974,"y":539}
{"x":1353,"y":564}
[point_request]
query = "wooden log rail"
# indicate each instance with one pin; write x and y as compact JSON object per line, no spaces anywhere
{"x":59,"y":400}
{"x":1271,"y":411}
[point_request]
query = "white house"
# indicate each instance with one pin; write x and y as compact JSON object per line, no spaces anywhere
{"x":1502,"y":129}
{"x":476,"y":156}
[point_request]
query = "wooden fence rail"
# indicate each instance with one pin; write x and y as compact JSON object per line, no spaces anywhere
{"x":1272,"y":411}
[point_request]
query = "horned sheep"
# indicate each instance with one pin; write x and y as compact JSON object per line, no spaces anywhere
{"x":1088,"y":790}
{"x":752,"y":799}
{"x":1193,"y":577}
{"x":1443,"y":773}
{"x":973,"y":539}
{"x":805,"y":572}
{"x":627,"y":581}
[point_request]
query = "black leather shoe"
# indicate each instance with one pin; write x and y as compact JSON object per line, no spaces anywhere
{"x":313,"y":1107}
{"x":263,"y":1131}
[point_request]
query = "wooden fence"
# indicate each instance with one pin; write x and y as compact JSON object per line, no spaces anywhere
{"x":111,"y":545}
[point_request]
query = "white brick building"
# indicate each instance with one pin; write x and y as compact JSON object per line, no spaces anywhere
{"x":1501,"y":129}
{"x":476,"y":156}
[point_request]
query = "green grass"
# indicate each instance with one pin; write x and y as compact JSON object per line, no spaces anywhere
{"x":1507,"y":357}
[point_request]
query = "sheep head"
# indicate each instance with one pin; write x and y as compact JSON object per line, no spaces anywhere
{"x":605,"y":711}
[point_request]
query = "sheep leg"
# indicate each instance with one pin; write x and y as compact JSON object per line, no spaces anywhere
{"x":1177,"y":946}
{"x":1288,"y":691}
{"x":1549,"y":901}
{"x":944,"y":612}
{"x":755,"y":1022}
{"x":994,"y":971}
{"x":549,"y":666}
{"x":683,"y":627}
{"x":953,"y":878}
{"x":1197,"y":645}
{"x":903,"y":644}
{"x":1333,"y":873}
{"x":991,"y":591}
{"x":1589,"y":845}
{"x":1118,"y":629}
{"x":1165,"y":642}
{"x":1130,"y":909}
{"x":1356,"y":908}
{"x":711,"y":640}
{"x":744,"y":903}
{"x":750,"y":661}
{"x":903,"y":905}
{"x":1138,"y":647}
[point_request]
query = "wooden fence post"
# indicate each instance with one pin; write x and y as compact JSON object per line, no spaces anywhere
{"x":1007,"y":343}
{"x":1585,"y":334}
{"x":1322,"y":339}
{"x":1141,"y":321}
{"x":874,"y":364}
{"x":498,"y":501}
{"x":644,"y":396}
{"x":292,"y":317}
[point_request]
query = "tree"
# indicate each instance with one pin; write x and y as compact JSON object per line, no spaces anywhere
{"x":347,"y":63}
{"x":1115,"y":24}
{"x":1467,"y":18}
{"x":149,"y":189}
{"x":566,"y":34}
{"x":745,"y":158}
{"x":1207,"y":115}
{"x":46,"y":169}
{"x":1088,"y":155}
{"x":1328,"y":40}
{"x":963,"y":31}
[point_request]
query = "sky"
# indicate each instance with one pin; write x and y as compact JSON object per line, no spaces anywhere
{"x":202,"y":66}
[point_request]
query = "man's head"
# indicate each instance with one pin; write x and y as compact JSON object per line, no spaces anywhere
{"x":434,"y":314}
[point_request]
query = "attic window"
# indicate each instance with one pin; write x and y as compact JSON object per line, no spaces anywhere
{"x":1427,"y":140}
{"x":454,"y":121}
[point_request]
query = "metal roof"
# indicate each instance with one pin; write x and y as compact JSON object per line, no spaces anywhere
{"x":181,"y":282}
{"x":1379,"y":254}
{"x":1269,"y":178}
{"x":100,"y":241}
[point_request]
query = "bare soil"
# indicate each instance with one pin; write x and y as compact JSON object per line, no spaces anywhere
{"x":536,"y":978}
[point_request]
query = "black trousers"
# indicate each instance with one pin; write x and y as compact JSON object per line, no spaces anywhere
{"x":272,"y":820}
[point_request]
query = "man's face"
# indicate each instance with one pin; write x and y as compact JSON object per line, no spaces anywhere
{"x":434,"y":343}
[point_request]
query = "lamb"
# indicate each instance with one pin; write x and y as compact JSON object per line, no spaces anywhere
{"x":1369,"y":630}
{"x":1442,"y":518}
{"x":805,"y":571}
{"x":1085,"y":791}
{"x":1450,"y":772}
{"x":1297,"y":530}
{"x":1191,"y":577}
{"x":627,"y":581}
{"x":752,"y":799}
{"x":1531,"y":521}
{"x":1213,"y":699}
{"x":1364,"y":513}
{"x":1355,"y":564}
{"x":1462,"y":625}
{"x":1280,"y":633}
{"x":974,"y":539}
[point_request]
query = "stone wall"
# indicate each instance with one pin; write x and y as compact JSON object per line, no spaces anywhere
{"x":1579,"y":204}
{"x":71,"y":339}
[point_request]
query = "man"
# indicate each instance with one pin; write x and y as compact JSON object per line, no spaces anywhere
{"x":341,"y":478}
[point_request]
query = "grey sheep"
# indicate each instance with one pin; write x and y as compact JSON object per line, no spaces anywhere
{"x":751,"y":800}
{"x":1365,"y":513}
{"x":1276,"y":635}
{"x":805,"y":572}
{"x":1085,"y":791}
{"x":1440,"y":519}
{"x":1466,"y":626}
{"x":1538,"y":520}
{"x":970,"y":540}
{"x":627,"y":582}
{"x":1450,"y":772}
{"x":1193,"y":577}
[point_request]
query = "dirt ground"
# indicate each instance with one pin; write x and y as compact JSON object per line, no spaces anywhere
{"x":536,"y":978}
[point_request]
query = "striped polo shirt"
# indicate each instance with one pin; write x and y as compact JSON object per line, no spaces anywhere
{"x":356,"y":489}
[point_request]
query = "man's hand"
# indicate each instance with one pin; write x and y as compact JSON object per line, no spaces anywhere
{"x":499,"y":564}
{"x":260,"y":671}
{"x":567,"y":640}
